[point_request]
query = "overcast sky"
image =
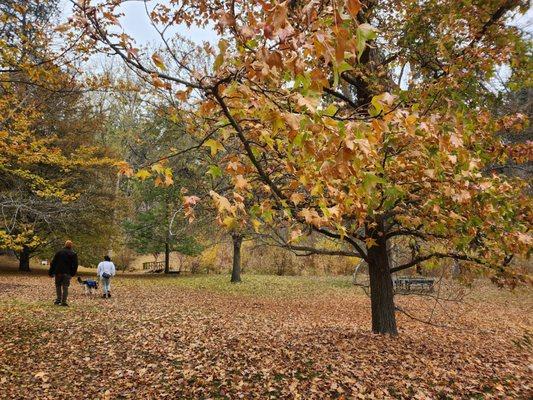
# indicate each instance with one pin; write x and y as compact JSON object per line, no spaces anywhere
{"x":137,"y":24}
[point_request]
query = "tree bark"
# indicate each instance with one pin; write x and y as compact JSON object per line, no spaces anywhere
{"x":381,"y":289}
{"x":236,"y":269}
{"x":167,"y":258}
{"x":24,"y":259}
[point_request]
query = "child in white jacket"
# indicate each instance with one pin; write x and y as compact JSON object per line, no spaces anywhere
{"x":106,"y":269}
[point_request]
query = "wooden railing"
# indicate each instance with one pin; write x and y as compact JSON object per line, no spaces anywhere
{"x":159,"y":266}
{"x":154,"y":266}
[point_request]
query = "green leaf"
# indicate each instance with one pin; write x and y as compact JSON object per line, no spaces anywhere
{"x":365,"y":32}
{"x":214,"y":171}
{"x":298,"y":140}
{"x":267,"y":216}
{"x":252,"y":43}
{"x":218,"y":61}
{"x":378,"y":106}
{"x":392,"y":194}
{"x":343,"y":67}
{"x":257,"y":152}
{"x":338,"y":70}
{"x":265,"y":137}
{"x":370,"y":180}
{"x":330,"y":110}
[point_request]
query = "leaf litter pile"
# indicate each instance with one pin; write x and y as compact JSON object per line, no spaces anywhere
{"x":267,"y":338}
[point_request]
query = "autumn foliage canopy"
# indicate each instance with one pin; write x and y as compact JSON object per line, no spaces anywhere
{"x":369,"y":122}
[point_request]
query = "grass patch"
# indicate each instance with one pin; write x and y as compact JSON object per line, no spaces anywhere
{"x":257,"y":285}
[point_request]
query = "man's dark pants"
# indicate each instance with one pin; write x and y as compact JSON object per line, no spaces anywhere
{"x":62,"y":284}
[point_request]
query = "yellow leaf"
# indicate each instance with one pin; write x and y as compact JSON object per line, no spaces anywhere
{"x":317,"y":189}
{"x":256,"y":224}
{"x":158,"y":168}
{"x":124,"y":168}
{"x":370,"y":242}
{"x":410,"y":119}
{"x":230,"y":222}
{"x":158,"y":61}
{"x":214,"y":145}
{"x":222,"y":203}
{"x":143,"y":174}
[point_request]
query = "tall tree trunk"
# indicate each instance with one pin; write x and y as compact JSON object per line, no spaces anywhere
{"x":236,"y":269}
{"x":167,"y":258}
{"x":24,"y":259}
{"x":381,"y":289}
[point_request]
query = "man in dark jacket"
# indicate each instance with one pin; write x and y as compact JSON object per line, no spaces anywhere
{"x":63,"y":267}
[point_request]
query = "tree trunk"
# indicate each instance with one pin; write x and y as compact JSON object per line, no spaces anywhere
{"x":24,"y":259}
{"x":236,"y":269}
{"x":167,"y":258}
{"x":381,"y":289}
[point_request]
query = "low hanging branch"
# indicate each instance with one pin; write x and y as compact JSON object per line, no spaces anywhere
{"x":427,"y":257}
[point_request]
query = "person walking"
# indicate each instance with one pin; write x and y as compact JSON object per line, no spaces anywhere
{"x":63,"y":267}
{"x":106,"y":270}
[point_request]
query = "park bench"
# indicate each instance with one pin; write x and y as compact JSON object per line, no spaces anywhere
{"x":411,"y":283}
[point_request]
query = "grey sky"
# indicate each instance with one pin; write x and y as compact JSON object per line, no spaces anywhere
{"x":137,"y":24}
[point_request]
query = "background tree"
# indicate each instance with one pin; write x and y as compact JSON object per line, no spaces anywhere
{"x":48,"y":156}
{"x":158,"y":225}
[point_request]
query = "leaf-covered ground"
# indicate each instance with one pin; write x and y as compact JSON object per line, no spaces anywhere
{"x":269,"y":337}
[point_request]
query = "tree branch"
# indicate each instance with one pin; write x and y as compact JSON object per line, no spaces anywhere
{"x":357,"y":247}
{"x":246,"y":144}
{"x":508,"y":5}
{"x":312,"y":250}
{"x":421,"y":259}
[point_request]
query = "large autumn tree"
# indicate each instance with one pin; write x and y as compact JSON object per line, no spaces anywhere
{"x":366,"y":121}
